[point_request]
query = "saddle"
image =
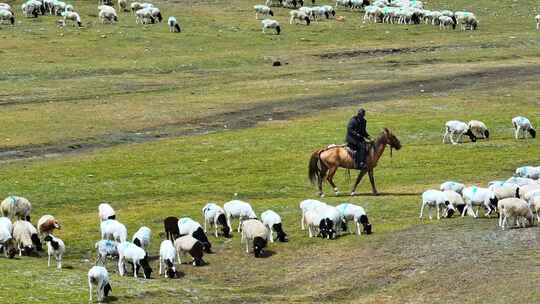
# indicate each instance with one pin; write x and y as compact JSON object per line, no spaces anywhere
{"x":352,"y":153}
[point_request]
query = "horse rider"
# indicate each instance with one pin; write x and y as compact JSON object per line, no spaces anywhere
{"x":357,"y":136}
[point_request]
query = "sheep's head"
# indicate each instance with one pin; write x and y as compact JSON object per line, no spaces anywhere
{"x":532,"y":132}
{"x":486,"y":134}
{"x":271,"y":13}
{"x":146,"y":267}
{"x":281,"y":235}
{"x":258,"y":246}
{"x":365,"y":223}
{"x":107,"y":289}
{"x":471,"y":135}
{"x":326,"y":227}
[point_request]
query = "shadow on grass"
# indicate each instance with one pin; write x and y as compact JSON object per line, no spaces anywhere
{"x":267,"y":253}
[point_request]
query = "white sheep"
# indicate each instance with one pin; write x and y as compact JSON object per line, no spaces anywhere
{"x":521,"y":125}
{"x":187,"y":226}
{"x":56,"y":248}
{"x":6,"y":15}
{"x":106,"y":248}
{"x":270,"y":24}
{"x":526,"y":191}
{"x":256,"y":233}
{"x":156,"y":14}
{"x":113,"y":230}
{"x":215,"y":215}
{"x":479,"y":129}
{"x":272,"y":221}
{"x":263,"y":10}
{"x":534,"y":204}
{"x":438,"y":200}
{"x":238,"y":209}
{"x":98,"y":275}
{"x":106,"y":212}
{"x":297,"y":15}
{"x":507,"y":190}
{"x":516,"y":208}
{"x":107,"y":13}
{"x":130,"y":252}
{"x":135,"y":6}
{"x":520,"y":181}
{"x":16,"y":207}
{"x":357,"y":214}
{"x":144,"y":16}
{"x":189,"y":244}
{"x":328,"y":221}
{"x":307,"y":205}
{"x":528,"y":172}
{"x":174,"y":26}
{"x":26,"y":237}
{"x":457,"y":201}
{"x":459,"y":128}
{"x":142,"y":237}
{"x":5,"y":6}
{"x":451,"y":185}
{"x":476,"y":196}
{"x":167,"y":259}
{"x":6,"y":237}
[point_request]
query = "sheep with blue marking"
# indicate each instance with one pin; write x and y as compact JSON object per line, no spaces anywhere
{"x":476,"y":196}
{"x":238,"y":209}
{"x":272,"y":221}
{"x":142,"y":237}
{"x":6,"y":15}
{"x":263,"y":10}
{"x":451,"y":185}
{"x":105,"y":249}
{"x":522,"y":125}
{"x":271,"y":24}
{"x":357,"y":214}
{"x":113,"y":230}
{"x":528,"y":172}
{"x":16,"y":207}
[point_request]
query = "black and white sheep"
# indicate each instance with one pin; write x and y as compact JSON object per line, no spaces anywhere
{"x":214,"y":215}
{"x":325,"y":220}
{"x":297,"y":15}
{"x":514,"y":208}
{"x":271,"y":24}
{"x":106,"y":212}
{"x":16,"y":207}
{"x":130,"y":252}
{"x":187,"y":226}
{"x":56,"y":248}
{"x":479,"y":129}
{"x":528,"y":172}
{"x":7,"y":242}
{"x":142,"y":237}
{"x":189,"y":244}
{"x":521,"y":125}
{"x":113,"y":230}
{"x":476,"y":196}
{"x":144,"y":16}
{"x":357,"y":214}
{"x":459,"y":128}
{"x":174,"y":26}
{"x":254,"y":233}
{"x":263,"y":10}
{"x":107,"y":14}
{"x":26,"y":237}
{"x":106,"y":248}
{"x":438,"y":200}
{"x":98,"y":275}
{"x":307,"y":205}
{"x":167,"y":259}
{"x":238,"y":209}
{"x":272,"y":221}
{"x":6,"y":15}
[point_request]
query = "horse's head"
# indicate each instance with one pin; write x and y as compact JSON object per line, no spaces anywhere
{"x":391,"y":139}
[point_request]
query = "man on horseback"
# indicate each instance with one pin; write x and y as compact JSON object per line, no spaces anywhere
{"x":357,"y":136}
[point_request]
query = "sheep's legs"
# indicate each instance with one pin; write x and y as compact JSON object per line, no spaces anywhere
{"x":239,"y":224}
{"x":438,"y":212}
{"x":517,"y":132}
{"x":271,"y":236}
{"x":49,"y":261}
{"x":302,"y":221}
{"x":247,"y":246}
{"x":445,"y":137}
{"x":59,"y":263}
{"x":422,"y":209}
{"x":160,"y":265}
{"x":89,"y":290}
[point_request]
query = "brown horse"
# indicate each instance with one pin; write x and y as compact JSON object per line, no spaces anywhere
{"x":325,"y":162}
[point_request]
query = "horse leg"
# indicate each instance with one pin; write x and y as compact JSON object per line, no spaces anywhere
{"x":324,"y":170}
{"x":330,"y":179}
{"x":372,"y":181}
{"x":358,"y":179}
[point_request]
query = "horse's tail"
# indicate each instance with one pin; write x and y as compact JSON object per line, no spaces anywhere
{"x":314,"y":170}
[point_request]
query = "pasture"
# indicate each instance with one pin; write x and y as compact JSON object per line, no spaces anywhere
{"x":159,"y":124}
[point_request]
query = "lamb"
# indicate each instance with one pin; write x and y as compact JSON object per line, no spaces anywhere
{"x":528,"y":172}
{"x":263,"y":10}
{"x":214,"y":215}
{"x":521,"y":125}
{"x":436,"y":199}
{"x":297,"y":15}
{"x":167,"y":258}
{"x":113,"y":230}
{"x":479,"y":197}
{"x":305,"y":206}
{"x":457,"y":127}
{"x":187,"y":226}
{"x":106,"y":248}
{"x":107,"y":13}
{"x":451,"y":185}
{"x":271,"y":24}
{"x":479,"y":129}
{"x":272,"y":221}
{"x":130,"y":252}
{"x":537,"y":18}
{"x":171,"y":228}
{"x":357,"y":214}
{"x":142,"y":237}
{"x":189,"y":244}
{"x":26,"y":237}
{"x":174,"y":27}
{"x":516,"y":208}
{"x":6,"y":15}
{"x":7,"y":242}
{"x":238,"y":209}
{"x":56,"y":248}
{"x":98,"y":275}
{"x":47,"y":224}
{"x":255,"y":232}
{"x":106,"y":212}
{"x":16,"y":207}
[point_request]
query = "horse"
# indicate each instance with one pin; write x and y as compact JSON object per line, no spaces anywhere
{"x":324,"y":163}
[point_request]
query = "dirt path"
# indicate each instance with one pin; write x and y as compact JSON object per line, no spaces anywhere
{"x":281,"y":110}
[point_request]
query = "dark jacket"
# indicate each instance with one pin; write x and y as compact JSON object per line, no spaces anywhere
{"x":356,"y":131}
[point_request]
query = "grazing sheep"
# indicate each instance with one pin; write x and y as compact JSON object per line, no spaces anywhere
{"x":189,"y":244}
{"x":106,"y":212}
{"x":357,"y":214}
{"x":520,"y":181}
{"x":289,"y":3}
{"x":187,"y":226}
{"x":156,"y":14}
{"x":171,"y":228}
{"x":47,"y":224}
{"x":106,"y":248}
{"x":130,"y":252}
{"x":144,"y":16}
{"x":522,"y":125}
{"x":254,"y":232}
{"x":457,"y":201}
{"x":272,"y":221}
{"x":16,"y":207}
{"x":506,"y":191}
{"x":343,"y":3}
{"x":476,"y":196}
{"x":438,"y":200}
{"x":297,"y":15}
{"x":26,"y":237}
{"x":263,"y":10}
{"x":113,"y":230}
{"x":537,"y":18}
{"x":528,"y":172}
{"x":7,"y":242}
{"x":215,"y":215}
{"x":98,"y":275}
{"x":107,"y":13}
{"x":56,"y":248}
{"x":457,"y":127}
{"x":167,"y":257}
{"x":305,"y":206}
{"x":6,"y":15}
{"x":174,"y":27}
{"x":479,"y":129}
{"x":5,"y":6}
{"x":32,"y":8}
{"x":326,"y":218}
{"x":238,"y":209}
{"x":142,"y":237}
{"x":516,"y":208}
{"x":270,"y":24}
{"x":450,"y":185}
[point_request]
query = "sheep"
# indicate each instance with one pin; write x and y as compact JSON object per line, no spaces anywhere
{"x":16,"y":207}
{"x":6,"y":15}
{"x":6,"y":238}
{"x":135,"y":6}
{"x":156,"y":14}
{"x":537,"y":18}
{"x":506,"y":191}
{"x":98,"y":275}
{"x":534,"y":203}
{"x":144,"y":16}
{"x":357,"y":214}
{"x":107,"y":13}
{"x":329,"y":11}
{"x":480,"y":197}
{"x":520,"y":181}
{"x":113,"y":230}
{"x":238,"y":209}
{"x":130,"y":252}
{"x":255,"y":232}
{"x":457,"y":127}
{"x":298,"y":15}
{"x":122,"y":5}
{"x":174,"y":27}
{"x":58,"y":7}
{"x":528,"y":172}
{"x":272,"y":221}
{"x":467,"y":20}
{"x":56,"y":248}
{"x":516,"y":208}
{"x":457,"y":201}
{"x":436,"y":199}
{"x":271,"y":3}
{"x":47,"y":224}
{"x":270,"y":24}
{"x":189,"y":244}
{"x":167,"y":258}
{"x":305,"y":206}
{"x":26,"y":237}
{"x":32,"y":8}
{"x":106,"y":212}
{"x":328,"y":219}
{"x":106,"y":248}
{"x":214,"y":215}
{"x":343,"y":3}
{"x":521,"y":125}
{"x":5,"y":6}
{"x":187,"y":226}
{"x":451,"y":185}
{"x":479,"y":129}
{"x":263,"y":10}
{"x":289,"y":3}
{"x":171,"y":228}
{"x":142,"y":237}
{"x":526,"y":191}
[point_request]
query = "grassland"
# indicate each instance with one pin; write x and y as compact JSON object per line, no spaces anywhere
{"x":230,"y":123}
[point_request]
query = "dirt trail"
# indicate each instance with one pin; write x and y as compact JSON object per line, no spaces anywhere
{"x":280,"y":110}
